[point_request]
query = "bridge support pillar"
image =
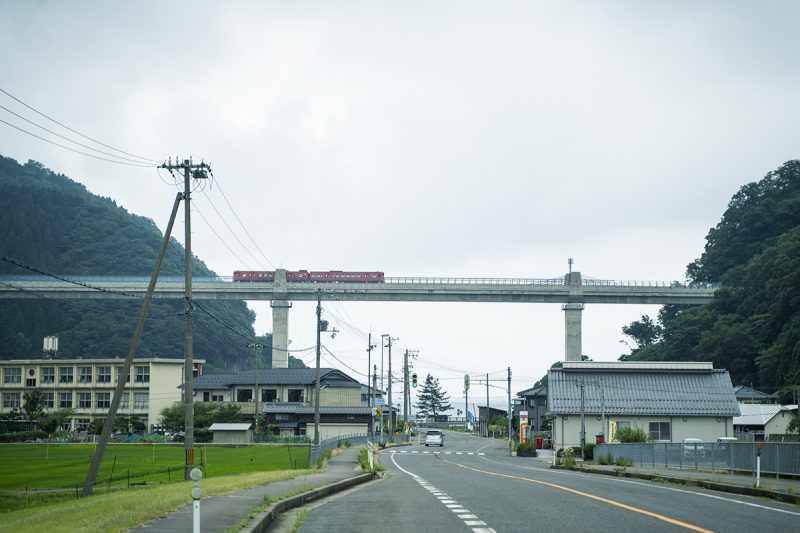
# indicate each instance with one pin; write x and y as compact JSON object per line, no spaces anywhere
{"x":573,"y":312}
{"x":280,"y":323}
{"x":280,"y":333}
{"x":572,"y":327}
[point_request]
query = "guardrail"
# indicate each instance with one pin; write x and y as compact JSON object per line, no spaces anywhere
{"x":555,"y":282}
{"x":413,"y":280}
{"x":776,"y":457}
{"x":318,"y":450}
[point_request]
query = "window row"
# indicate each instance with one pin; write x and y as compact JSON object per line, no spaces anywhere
{"x":81,"y":400}
{"x":267,"y":395}
{"x":66,"y":374}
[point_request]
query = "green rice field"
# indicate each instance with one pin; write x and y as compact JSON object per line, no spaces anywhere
{"x":28,"y":467}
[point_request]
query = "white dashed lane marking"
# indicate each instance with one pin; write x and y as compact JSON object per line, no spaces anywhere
{"x":462,"y":513}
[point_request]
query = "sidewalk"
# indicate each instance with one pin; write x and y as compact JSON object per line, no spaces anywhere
{"x":219,"y":513}
{"x":787,"y":490}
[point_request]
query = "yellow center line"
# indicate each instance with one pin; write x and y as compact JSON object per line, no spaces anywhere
{"x":587,"y":495}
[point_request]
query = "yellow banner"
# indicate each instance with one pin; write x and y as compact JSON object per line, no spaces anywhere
{"x":612,"y":431}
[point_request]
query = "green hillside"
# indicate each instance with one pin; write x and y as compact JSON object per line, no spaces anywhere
{"x":752,"y":328}
{"x":52,"y":223}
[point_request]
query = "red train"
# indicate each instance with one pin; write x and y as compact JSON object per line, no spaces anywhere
{"x":329,"y":276}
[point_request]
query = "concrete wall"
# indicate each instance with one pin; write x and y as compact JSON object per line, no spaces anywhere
{"x":567,"y":428}
{"x":329,"y":431}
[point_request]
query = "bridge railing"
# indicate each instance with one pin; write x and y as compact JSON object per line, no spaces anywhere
{"x":589,"y":282}
{"x":473,"y":281}
{"x":410,"y":280}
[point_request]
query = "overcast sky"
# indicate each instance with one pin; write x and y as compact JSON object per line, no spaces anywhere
{"x":455,"y":139}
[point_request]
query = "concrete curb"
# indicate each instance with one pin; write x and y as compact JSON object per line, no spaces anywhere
{"x":261,"y":522}
{"x":713,"y":485}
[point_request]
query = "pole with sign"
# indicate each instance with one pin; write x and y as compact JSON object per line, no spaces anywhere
{"x":466,"y":401}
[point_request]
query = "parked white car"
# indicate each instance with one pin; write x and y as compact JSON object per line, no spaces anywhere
{"x":693,"y":448}
{"x":434,"y":437}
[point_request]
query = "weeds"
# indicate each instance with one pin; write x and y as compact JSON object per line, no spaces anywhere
{"x":302,"y":514}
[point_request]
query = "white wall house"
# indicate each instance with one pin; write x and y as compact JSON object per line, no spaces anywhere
{"x":87,"y":386}
{"x":287,"y":399}
{"x":760,"y":421}
{"x":670,"y":401}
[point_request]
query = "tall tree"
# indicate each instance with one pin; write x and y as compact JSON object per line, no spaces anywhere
{"x":643,"y":332}
{"x":432,"y":400}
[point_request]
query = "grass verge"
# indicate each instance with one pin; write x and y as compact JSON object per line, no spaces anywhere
{"x":120,"y":511}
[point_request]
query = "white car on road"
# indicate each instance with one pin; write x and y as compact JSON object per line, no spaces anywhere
{"x":434,"y":437}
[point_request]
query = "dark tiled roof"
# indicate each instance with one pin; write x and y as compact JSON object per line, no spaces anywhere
{"x":541,"y":390}
{"x":275,"y":376}
{"x":300,"y":409}
{"x":642,"y":392}
{"x":743,"y":392}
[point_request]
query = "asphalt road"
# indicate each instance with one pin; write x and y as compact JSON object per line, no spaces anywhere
{"x":472,"y":484}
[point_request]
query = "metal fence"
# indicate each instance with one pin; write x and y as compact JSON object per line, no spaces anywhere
{"x":317,"y":451}
{"x":776,"y":457}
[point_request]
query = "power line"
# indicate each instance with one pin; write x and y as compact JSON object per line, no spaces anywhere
{"x":68,"y":139}
{"x":235,"y":236}
{"x":241,"y":224}
{"x":73,"y":150}
{"x":345,"y":364}
{"x":67,"y":280}
{"x":74,"y":131}
{"x":225,"y":244}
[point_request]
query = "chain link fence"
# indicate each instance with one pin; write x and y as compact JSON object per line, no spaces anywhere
{"x":776,"y":458}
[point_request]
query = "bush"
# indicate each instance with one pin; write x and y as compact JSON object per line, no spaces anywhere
{"x":23,"y":436}
{"x":203,"y":435}
{"x":527,"y":449}
{"x":588,"y":451}
{"x":569,"y":456}
{"x":632,"y":434}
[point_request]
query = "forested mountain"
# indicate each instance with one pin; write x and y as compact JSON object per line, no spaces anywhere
{"x":752,"y":328}
{"x":54,"y":224}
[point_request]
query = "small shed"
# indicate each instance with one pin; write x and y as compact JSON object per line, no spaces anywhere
{"x":240,"y":433}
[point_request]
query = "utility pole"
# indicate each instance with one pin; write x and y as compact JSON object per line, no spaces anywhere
{"x":488,"y":411}
{"x":510,"y":446}
{"x":466,"y":402}
{"x":316,"y":382}
{"x":405,"y":390}
{"x":256,"y":398}
{"x":383,"y":385}
{"x":391,"y":407}
{"x":190,"y":170}
{"x":582,"y":385}
{"x":370,"y":390}
{"x":374,"y":380}
{"x":602,"y":410}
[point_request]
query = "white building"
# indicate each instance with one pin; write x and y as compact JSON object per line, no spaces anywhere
{"x":87,"y":386}
{"x":759,"y":421}
{"x":670,"y":401}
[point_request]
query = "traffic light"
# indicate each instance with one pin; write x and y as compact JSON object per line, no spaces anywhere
{"x":414,"y":380}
